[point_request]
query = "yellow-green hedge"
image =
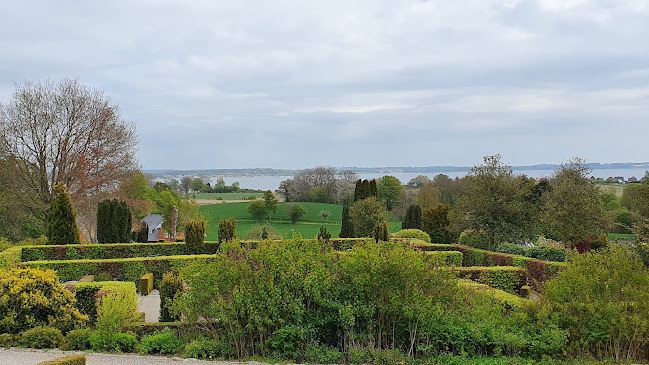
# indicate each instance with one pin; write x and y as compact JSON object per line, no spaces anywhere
{"x":66,"y":360}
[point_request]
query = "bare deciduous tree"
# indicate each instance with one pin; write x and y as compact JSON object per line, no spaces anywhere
{"x":65,"y":132}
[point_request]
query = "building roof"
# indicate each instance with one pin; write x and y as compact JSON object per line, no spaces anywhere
{"x":154,"y":221}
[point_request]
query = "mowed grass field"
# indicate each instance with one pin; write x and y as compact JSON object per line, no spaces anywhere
{"x":616,"y":188}
{"x":308,"y":225}
{"x":227,"y":196}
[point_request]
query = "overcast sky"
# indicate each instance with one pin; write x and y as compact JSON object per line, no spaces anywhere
{"x":295,"y":84}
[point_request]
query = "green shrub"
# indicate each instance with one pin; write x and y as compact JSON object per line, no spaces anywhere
{"x":324,"y":235}
{"x":33,"y":297}
{"x":413,"y":233}
{"x":195,"y":236}
{"x":412,"y":220}
{"x":444,"y":258}
{"x":66,"y":360}
{"x":116,"y":341}
{"x":227,"y":230}
{"x":370,"y":355}
{"x":170,"y":286}
{"x":546,"y":253}
{"x":78,"y":339}
{"x":165,"y":342}
{"x":89,"y":295}
{"x":641,"y":250}
{"x":103,"y":276}
{"x":601,"y":300}
{"x":41,"y":338}
{"x":511,"y":248}
{"x":5,"y":244}
{"x":322,"y":354}
{"x":33,"y":241}
{"x":108,"y":251}
{"x":6,"y":340}
{"x":289,"y":341}
{"x":208,"y":349}
{"x":475,"y":239}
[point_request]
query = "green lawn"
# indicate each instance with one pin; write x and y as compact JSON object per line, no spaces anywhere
{"x":308,"y":225}
{"x":226,"y":196}
{"x":616,"y":188}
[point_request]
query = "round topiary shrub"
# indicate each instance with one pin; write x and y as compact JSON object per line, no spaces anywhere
{"x":413,"y":233}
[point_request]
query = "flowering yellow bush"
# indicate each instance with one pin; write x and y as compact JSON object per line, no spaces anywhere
{"x":33,"y":297}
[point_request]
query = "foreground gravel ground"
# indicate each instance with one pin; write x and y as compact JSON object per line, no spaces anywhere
{"x":15,"y":356}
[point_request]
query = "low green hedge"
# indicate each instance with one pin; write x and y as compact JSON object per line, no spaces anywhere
{"x":66,"y":360}
{"x":10,"y":257}
{"x":499,"y":297}
{"x":505,"y":278}
{"x":444,"y":258}
{"x":413,"y":233}
{"x":87,"y":294}
{"x":538,"y":252}
{"x":343,"y":244}
{"x":108,"y":251}
{"x":120,"y":269}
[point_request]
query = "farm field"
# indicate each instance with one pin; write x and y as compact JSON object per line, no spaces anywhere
{"x":616,"y":188}
{"x":226,"y":196}
{"x":308,"y":225}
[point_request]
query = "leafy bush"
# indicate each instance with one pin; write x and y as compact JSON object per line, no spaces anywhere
{"x":413,"y":233}
{"x":89,"y":294}
{"x":322,"y":354}
{"x":4,"y":244}
{"x":295,"y":212}
{"x":324,"y":235}
{"x":78,"y":339}
{"x":170,"y":286}
{"x":117,"y":341}
{"x":289,"y":341}
{"x":641,"y":249}
{"x":475,"y":239}
{"x":41,"y":338}
{"x":546,"y":253}
{"x":511,"y":248}
{"x":165,"y":342}
{"x":208,"y":349}
{"x":381,"y":232}
{"x":6,"y":340}
{"x":601,"y":300}
{"x":33,"y":297}
{"x":444,"y":258}
{"x":370,"y":355}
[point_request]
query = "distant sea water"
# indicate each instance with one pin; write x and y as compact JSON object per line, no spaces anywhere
{"x":272,"y":182}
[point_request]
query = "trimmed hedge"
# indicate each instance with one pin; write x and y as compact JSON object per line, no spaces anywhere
{"x":120,"y":269}
{"x":507,"y":300}
{"x":146,"y":283}
{"x":538,"y":271}
{"x":475,"y":239}
{"x":10,"y":257}
{"x":109,"y":251}
{"x":538,"y":252}
{"x":444,"y":258}
{"x":505,"y":278}
{"x":66,"y":360}
{"x":344,"y":244}
{"x":87,"y":295}
{"x":413,"y":233}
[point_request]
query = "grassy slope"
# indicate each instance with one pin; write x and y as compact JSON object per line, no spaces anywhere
{"x":308,"y":226}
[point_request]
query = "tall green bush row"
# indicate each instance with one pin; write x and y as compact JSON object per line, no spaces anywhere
{"x":195,"y":235}
{"x":227,"y":230}
{"x":412,"y":219}
{"x":109,"y":251}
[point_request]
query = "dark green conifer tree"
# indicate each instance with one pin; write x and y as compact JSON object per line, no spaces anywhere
{"x":113,"y":222}
{"x":347,"y":228}
{"x":373,"y":189}
{"x":358,"y":190}
{"x":62,"y":226}
{"x":413,"y":218}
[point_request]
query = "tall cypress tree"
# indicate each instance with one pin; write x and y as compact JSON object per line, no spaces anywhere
{"x":367,"y":189}
{"x":347,"y":228}
{"x":373,"y":189}
{"x":358,"y":190}
{"x":62,"y":226}
{"x":113,"y":221}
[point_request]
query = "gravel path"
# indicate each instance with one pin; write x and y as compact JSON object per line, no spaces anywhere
{"x":150,"y":305}
{"x":15,"y":356}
